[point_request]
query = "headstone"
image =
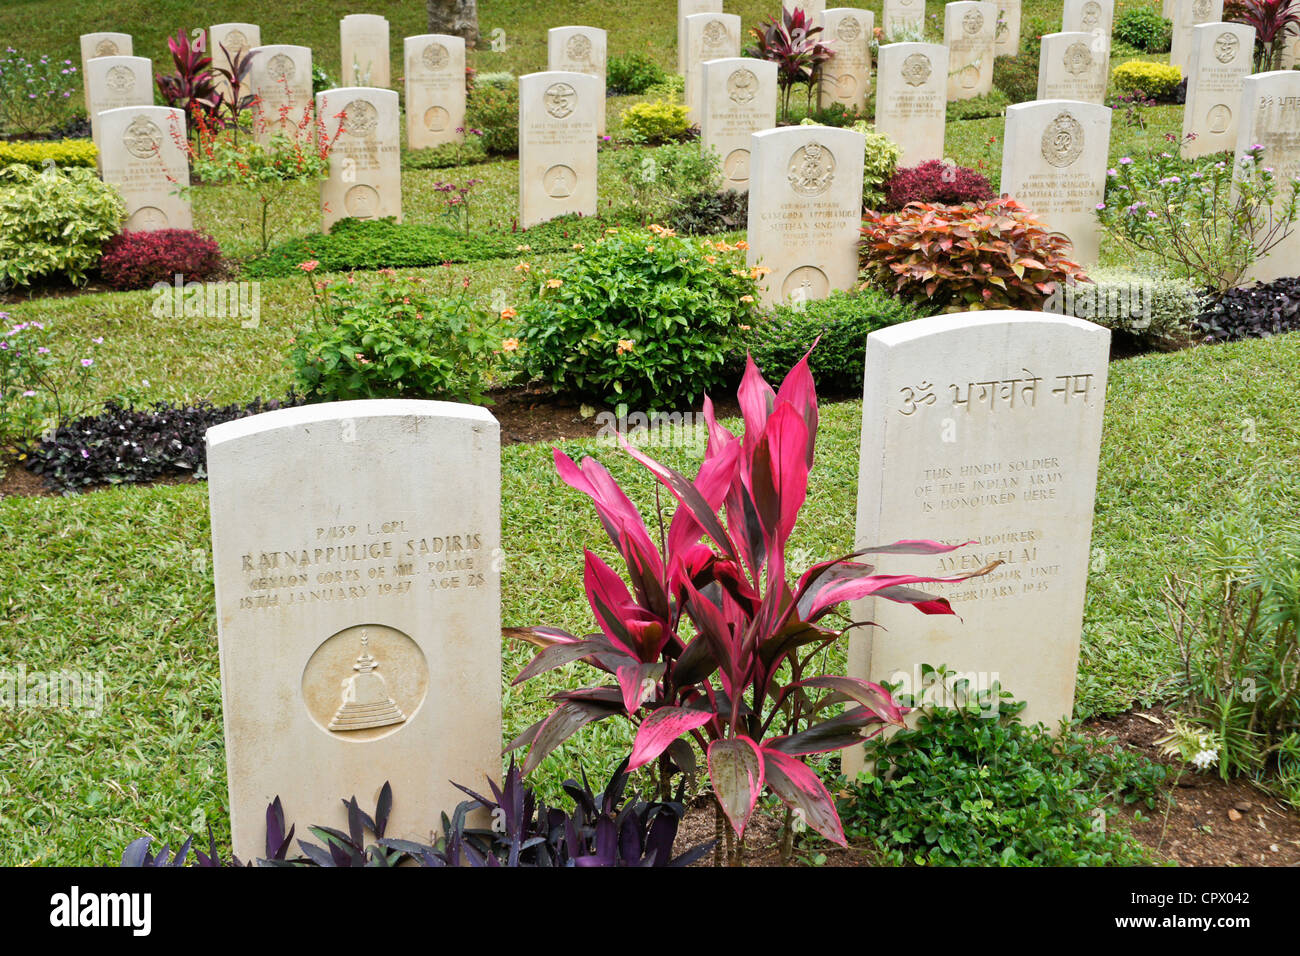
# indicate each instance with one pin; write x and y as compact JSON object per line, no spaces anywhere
{"x":1270,"y":117}
{"x":968,"y":33}
{"x":579,"y":50}
{"x":142,"y":156}
{"x":365,"y":163}
{"x":814,"y":9}
{"x":709,"y":36}
{"x":235,"y":38}
{"x":281,"y":81}
{"x":686,"y":8}
{"x":435,"y":90}
{"x":805,"y":210}
{"x":846,"y":76}
{"x":739,"y":100}
{"x":983,"y":427}
{"x":1222,"y":56}
{"x":1054,"y":161}
{"x":1089,"y":16}
{"x":114,"y":82}
{"x":557,"y":145}
{"x":100,"y":44}
{"x":1186,"y":15}
{"x":902,"y":16}
{"x":1073,"y":66}
{"x":912,"y":98}
{"x":1006,"y":41}
{"x":358,"y":610}
{"x":363,"y":39}
{"x":1291,"y":52}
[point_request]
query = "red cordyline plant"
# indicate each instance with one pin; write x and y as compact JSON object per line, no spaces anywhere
{"x":1274,"y":21}
{"x":791,"y":44}
{"x":737,"y":687}
{"x":193,"y":87}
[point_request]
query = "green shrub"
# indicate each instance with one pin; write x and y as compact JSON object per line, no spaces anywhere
{"x":1017,"y":77}
{"x":446,"y":156}
{"x":1157,"y":80}
{"x":979,"y":107}
{"x":632,"y":74}
{"x":706,"y":213}
{"x":671,"y":88}
{"x":842,"y":320}
{"x":973,"y":786}
{"x":659,"y":121}
{"x":395,"y":338}
{"x":494,"y":109}
{"x":36,"y":94}
{"x":660,"y":179}
{"x":1032,"y":29}
{"x":54,"y":222}
{"x":499,"y":79}
{"x":1154,"y":307}
{"x":68,"y":152}
{"x":642,"y":317}
{"x":1143,"y":28}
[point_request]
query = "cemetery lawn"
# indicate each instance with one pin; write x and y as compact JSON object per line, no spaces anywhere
{"x":119,"y":582}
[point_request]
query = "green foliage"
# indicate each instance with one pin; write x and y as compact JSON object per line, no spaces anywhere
{"x":1017,"y":76}
{"x":397,"y":338}
{"x":1032,"y":29}
{"x":973,"y":786}
{"x":446,"y":156}
{"x":36,"y":95}
{"x":1143,"y":28}
{"x":1236,"y":626}
{"x":632,"y":74}
{"x":841,"y":322}
{"x":639,"y":317}
{"x":68,"y":152}
{"x":320,"y":80}
{"x":54,"y":222}
{"x":660,"y":179}
{"x":494,"y":109}
{"x":706,"y":213}
{"x":671,"y":88}
{"x":39,"y":389}
{"x":979,"y":107}
{"x":1157,"y":80}
{"x":1157,"y":308}
{"x":658,"y":121}
{"x":837,"y":114}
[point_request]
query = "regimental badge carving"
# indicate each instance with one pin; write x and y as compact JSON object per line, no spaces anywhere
{"x":362,"y":201}
{"x":105,"y":48}
{"x":736,"y":166}
{"x":365,"y":682}
{"x":120,"y":79}
{"x":360,"y":118}
{"x":846,"y":86}
{"x":916,"y":69}
{"x":1219,"y":118}
{"x":804,"y":284}
{"x":973,"y":22}
{"x":560,"y":99}
{"x":742,"y":86}
{"x":147,"y":219}
{"x":435,"y":56}
{"x":811,"y":170}
{"x":280,"y":68}
{"x":560,"y":182}
{"x":1201,"y":10}
{"x":236,"y":42}
{"x":1091,"y":15}
{"x":1063,"y":140}
{"x":850,"y":29}
{"x":142,"y":138}
{"x":715,"y":34}
{"x":969,"y":76}
{"x":1078,"y":59}
{"x":578,"y":48}
{"x":436,"y":119}
{"x":1225,"y":47}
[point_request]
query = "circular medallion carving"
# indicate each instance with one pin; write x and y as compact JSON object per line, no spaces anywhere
{"x":365,"y":682}
{"x":435,"y":56}
{"x":1091,"y":14}
{"x":280,"y":68}
{"x":1201,"y":9}
{"x":736,"y":166}
{"x":846,"y":86}
{"x":362,"y":201}
{"x":578,"y":47}
{"x":236,"y":42}
{"x":1078,"y":58}
{"x":805,"y":283}
{"x":360,"y":118}
{"x":560,"y":99}
{"x":105,"y":48}
{"x":142,"y":138}
{"x":742,"y":86}
{"x":850,"y":29}
{"x":147,"y":219}
{"x":436,"y":119}
{"x":916,"y":69}
{"x":1062,"y":140}
{"x":1218,"y":118}
{"x":972,"y":22}
{"x":120,"y":79}
{"x":560,"y":182}
{"x":969,"y":76}
{"x":811,"y":170}
{"x":715,"y":34}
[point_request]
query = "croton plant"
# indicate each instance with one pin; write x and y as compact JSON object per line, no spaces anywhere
{"x":735,"y":679}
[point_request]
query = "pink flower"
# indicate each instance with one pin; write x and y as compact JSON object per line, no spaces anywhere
{"x":87,"y":363}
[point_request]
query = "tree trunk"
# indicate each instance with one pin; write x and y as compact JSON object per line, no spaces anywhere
{"x":455,"y":17}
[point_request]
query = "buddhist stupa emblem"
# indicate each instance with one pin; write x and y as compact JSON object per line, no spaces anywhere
{"x":366,"y":702}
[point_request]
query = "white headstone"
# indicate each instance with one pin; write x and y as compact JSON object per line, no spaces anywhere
{"x":281,"y":81}
{"x":1222,"y":56}
{"x":100,"y":44}
{"x":739,"y":100}
{"x":912,"y":98}
{"x":1186,"y":15}
{"x":579,"y":50}
{"x":709,"y":36}
{"x":114,"y":82}
{"x":1089,"y":16}
{"x":1270,"y":117}
{"x":1006,"y":41}
{"x":983,"y":427}
{"x":1073,"y":66}
{"x":805,"y":210}
{"x":1291,"y":52}
{"x":435,"y":90}
{"x":557,"y":145}
{"x":235,"y":38}
{"x":363,"y":39}
{"x":815,"y":9}
{"x":686,"y":8}
{"x":968,"y":33}
{"x":141,"y":153}
{"x":1054,"y":156}
{"x":365,"y":164}
{"x":905,"y":16}
{"x":358,"y":610}
{"x":846,"y":76}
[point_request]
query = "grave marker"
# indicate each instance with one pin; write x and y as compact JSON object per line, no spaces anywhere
{"x":902,"y":16}
{"x":1222,"y":56}
{"x":281,"y":81}
{"x":579,"y":50}
{"x":1187,"y":14}
{"x":557,"y":145}
{"x":969,"y":27}
{"x":709,"y":36}
{"x":846,"y":76}
{"x":235,"y":38}
{"x":1006,"y":41}
{"x":142,"y":156}
{"x":739,"y":100}
{"x":1073,"y":66}
{"x":1270,"y":117}
{"x":114,"y":82}
{"x":435,"y":90}
{"x":363,"y":42}
{"x":365,"y":163}
{"x":1089,"y":16}
{"x":912,"y":100}
{"x":100,"y":44}
{"x":686,"y":8}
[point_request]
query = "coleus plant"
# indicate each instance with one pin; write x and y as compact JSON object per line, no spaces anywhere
{"x":737,"y":686}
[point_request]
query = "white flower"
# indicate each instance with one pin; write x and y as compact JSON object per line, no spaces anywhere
{"x":1205,"y":758}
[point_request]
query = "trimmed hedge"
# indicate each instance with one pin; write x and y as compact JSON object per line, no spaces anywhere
{"x":67,"y":152}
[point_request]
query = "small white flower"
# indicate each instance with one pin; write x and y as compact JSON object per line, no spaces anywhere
{"x":1205,"y":758}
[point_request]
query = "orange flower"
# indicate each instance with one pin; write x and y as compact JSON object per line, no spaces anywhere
{"x":510,"y":345}
{"x":760,"y":271}
{"x":554,"y":283}
{"x":746,"y":298}
{"x":625,"y":345}
{"x":711,"y":260}
{"x":308,"y":266}
{"x":649,"y":248}
{"x":742,"y":244}
{"x":509,"y":313}
{"x":523,"y":248}
{"x":523,"y":267}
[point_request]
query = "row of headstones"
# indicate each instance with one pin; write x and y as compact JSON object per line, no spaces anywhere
{"x":359,"y":627}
